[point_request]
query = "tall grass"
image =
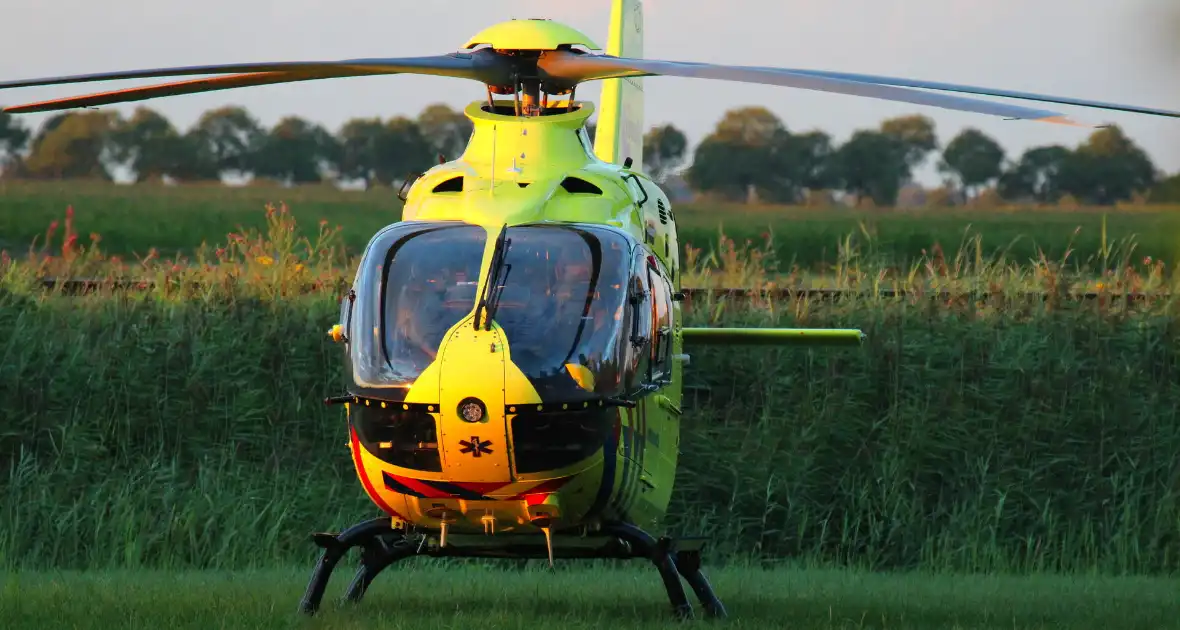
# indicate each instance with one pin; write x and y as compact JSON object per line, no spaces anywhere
{"x":182,"y":426}
{"x":176,"y":219}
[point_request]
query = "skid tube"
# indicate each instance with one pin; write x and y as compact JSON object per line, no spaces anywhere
{"x":381,"y":546}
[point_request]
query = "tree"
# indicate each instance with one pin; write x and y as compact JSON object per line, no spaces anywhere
{"x":748,"y":126}
{"x":72,"y":145}
{"x":196,"y":162}
{"x":445,"y":130}
{"x":296,"y":152}
{"x":1167,"y":190}
{"x":734,"y":161}
{"x":663,"y":150}
{"x":718,"y":168}
{"x":360,"y":140}
{"x":13,"y":137}
{"x":1037,"y":176}
{"x":53,"y":122}
{"x":794,"y":164}
{"x":149,"y":145}
{"x":752,"y":153}
{"x":876,"y":164}
{"x":870,"y":165}
{"x":228,"y":138}
{"x":974,"y":158}
{"x":402,"y":150}
{"x":916,"y":137}
{"x":808,"y":156}
{"x":1107,"y":168}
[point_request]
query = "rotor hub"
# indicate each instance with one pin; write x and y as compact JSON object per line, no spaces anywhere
{"x":531,"y":34}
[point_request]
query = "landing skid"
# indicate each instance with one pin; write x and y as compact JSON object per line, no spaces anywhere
{"x":381,"y":546}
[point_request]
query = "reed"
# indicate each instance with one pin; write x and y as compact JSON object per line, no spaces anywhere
{"x":182,"y":426}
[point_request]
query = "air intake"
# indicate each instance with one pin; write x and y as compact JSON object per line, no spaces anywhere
{"x":576,"y":186}
{"x":454,"y":184}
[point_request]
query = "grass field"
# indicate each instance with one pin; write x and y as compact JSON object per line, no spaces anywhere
{"x":134,"y":219}
{"x":572,"y":599}
{"x":163,"y":445}
{"x":1007,"y":434}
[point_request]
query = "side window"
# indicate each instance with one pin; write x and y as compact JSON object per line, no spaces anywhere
{"x":347,"y":303}
{"x":638,"y":334}
{"x":661,"y":335}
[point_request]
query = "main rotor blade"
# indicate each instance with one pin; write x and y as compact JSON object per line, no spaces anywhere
{"x":968,"y":89}
{"x":472,"y":65}
{"x":583,"y":67}
{"x":191,"y":86}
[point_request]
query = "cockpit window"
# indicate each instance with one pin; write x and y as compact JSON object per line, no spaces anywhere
{"x":429,"y":284}
{"x":561,"y":308}
{"x":562,"y":305}
{"x":415,"y":282}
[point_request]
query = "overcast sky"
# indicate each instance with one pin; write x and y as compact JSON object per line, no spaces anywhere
{"x":1110,"y":50}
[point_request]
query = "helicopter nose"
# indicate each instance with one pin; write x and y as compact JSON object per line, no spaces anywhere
{"x":473,"y":434}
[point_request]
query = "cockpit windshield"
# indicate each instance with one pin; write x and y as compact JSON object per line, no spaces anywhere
{"x":560,"y":303}
{"x":429,"y":285}
{"x":415,"y":282}
{"x":561,"y":307}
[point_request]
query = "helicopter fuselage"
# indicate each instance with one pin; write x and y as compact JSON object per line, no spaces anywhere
{"x":482,"y":433}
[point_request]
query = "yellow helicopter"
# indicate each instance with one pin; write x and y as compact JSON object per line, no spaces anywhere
{"x":514,"y":346}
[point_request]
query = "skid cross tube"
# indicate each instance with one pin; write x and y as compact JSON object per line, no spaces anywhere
{"x":381,"y":546}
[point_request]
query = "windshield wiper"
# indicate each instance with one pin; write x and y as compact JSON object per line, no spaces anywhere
{"x":491,"y":295}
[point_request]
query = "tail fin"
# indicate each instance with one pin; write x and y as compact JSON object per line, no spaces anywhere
{"x":619,"y":134}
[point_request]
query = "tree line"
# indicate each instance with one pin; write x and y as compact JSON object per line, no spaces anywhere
{"x":750,"y":154}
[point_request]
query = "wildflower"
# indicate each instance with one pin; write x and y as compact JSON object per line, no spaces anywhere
{"x":299,"y":267}
{"x":265,"y":260}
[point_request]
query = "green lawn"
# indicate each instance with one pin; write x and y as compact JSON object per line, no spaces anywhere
{"x":474,"y":597}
